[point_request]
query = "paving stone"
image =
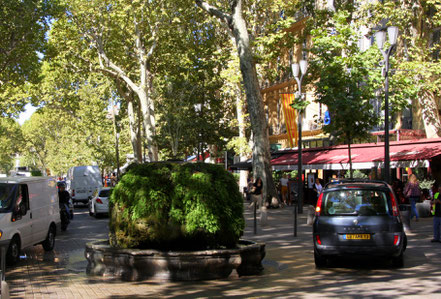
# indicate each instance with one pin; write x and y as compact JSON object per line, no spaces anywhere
{"x":289,"y":268}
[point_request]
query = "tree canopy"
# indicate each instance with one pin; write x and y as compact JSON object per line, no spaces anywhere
{"x":23,"y":29}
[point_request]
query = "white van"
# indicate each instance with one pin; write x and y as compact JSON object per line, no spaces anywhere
{"x":82,"y":181}
{"x":29,"y":213}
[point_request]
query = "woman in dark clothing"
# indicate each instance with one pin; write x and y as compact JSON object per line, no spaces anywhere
{"x":258,"y":200}
{"x":413,"y":193}
{"x":256,"y":192}
{"x":258,"y":185}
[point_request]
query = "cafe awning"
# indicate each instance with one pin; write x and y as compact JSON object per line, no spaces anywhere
{"x":408,"y":153}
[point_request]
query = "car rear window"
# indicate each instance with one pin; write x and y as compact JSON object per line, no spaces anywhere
{"x":355,"y":202}
{"x":105,"y":193}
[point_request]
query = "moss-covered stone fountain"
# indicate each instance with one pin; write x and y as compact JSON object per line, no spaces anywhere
{"x":173,"y":221}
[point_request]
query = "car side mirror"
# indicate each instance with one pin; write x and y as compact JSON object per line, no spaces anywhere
{"x":23,"y":209}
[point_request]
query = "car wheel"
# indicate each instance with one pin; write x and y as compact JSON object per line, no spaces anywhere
{"x":49,"y":243}
{"x":13,"y":253}
{"x":319,"y":260}
{"x":398,"y":261}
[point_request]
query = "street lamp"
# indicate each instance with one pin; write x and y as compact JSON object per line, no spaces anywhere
{"x":380,"y":38}
{"x":299,"y":68}
{"x":198,"y":110}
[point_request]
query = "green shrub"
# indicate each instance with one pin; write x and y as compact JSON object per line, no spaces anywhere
{"x":171,"y":206}
{"x":236,"y":176}
{"x":36,"y":173}
{"x":356,"y":174}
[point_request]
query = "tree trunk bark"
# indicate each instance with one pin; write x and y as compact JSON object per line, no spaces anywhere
{"x":243,"y":182}
{"x":430,"y":115}
{"x":134,"y":128}
{"x":147,"y":123}
{"x":261,"y":148}
{"x":351,"y":173}
{"x":135,"y":137}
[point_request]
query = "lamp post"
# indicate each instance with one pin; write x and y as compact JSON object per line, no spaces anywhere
{"x":198,"y":110}
{"x":299,"y":69}
{"x":380,"y":38}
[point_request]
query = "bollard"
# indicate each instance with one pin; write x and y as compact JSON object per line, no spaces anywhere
{"x":405,"y":217}
{"x":295,"y":219}
{"x":310,"y":218}
{"x":255,"y":218}
{"x":4,"y":290}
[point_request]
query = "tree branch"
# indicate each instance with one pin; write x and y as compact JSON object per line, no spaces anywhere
{"x":215,"y":12}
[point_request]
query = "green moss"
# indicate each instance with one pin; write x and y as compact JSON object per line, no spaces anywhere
{"x":176,"y":207}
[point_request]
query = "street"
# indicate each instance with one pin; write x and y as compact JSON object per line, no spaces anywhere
{"x":289,"y":268}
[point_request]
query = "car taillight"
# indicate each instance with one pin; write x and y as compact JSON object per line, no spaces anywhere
{"x":394,"y":204}
{"x":98,"y":200}
{"x":319,"y":205}
{"x":317,"y":237}
{"x":73,"y":192}
{"x":396,"y":239}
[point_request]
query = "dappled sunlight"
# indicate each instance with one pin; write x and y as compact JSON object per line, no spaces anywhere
{"x":289,"y":269}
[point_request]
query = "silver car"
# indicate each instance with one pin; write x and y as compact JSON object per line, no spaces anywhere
{"x":99,"y":203}
{"x":358,"y":218}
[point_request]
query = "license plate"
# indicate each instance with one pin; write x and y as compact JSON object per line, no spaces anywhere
{"x":357,"y":237}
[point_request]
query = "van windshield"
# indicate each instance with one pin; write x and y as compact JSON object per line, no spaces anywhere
{"x":8,"y":192}
{"x":355,"y":202}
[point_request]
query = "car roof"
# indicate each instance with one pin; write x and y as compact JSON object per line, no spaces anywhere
{"x":23,"y":179}
{"x":357,"y":183}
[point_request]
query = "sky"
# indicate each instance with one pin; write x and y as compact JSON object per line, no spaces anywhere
{"x":29,"y":109}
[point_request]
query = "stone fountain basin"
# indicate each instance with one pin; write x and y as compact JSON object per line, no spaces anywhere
{"x":139,"y":264}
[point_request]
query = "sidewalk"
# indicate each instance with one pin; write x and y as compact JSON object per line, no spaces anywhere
{"x":289,"y":269}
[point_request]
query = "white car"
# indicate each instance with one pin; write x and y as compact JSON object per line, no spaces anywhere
{"x":99,"y":203}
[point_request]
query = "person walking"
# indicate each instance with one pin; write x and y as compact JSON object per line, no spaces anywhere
{"x":256,"y":192}
{"x":284,"y":189}
{"x":436,"y":212}
{"x":250,"y":187}
{"x":317,"y":187}
{"x":413,"y":193}
{"x":258,"y":200}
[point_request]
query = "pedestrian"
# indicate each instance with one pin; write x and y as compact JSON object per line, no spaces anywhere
{"x":317,"y":187}
{"x":436,"y":212}
{"x":284,"y":189}
{"x":249,"y":188}
{"x":63,"y":198}
{"x":413,"y":193}
{"x":256,"y":192}
{"x":258,"y":199}
{"x":113,"y":180}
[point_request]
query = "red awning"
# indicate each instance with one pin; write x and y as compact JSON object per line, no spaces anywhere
{"x":414,"y":153}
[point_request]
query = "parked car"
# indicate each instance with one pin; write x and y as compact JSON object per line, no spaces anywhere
{"x":99,"y":203}
{"x":358,"y":218}
{"x":29,"y":214}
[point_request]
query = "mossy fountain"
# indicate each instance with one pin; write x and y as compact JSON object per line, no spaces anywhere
{"x":172,"y":221}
